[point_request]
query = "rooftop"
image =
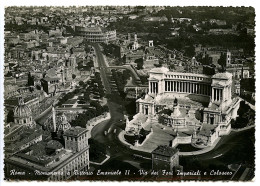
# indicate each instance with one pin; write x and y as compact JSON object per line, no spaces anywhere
{"x":207,"y":130}
{"x":51,"y":78}
{"x":165,"y":151}
{"x":225,"y":75}
{"x":75,"y":131}
{"x":159,"y":70}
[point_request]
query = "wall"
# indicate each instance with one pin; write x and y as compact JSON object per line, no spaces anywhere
{"x":181,"y":140}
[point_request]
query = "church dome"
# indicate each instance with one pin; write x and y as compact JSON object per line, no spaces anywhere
{"x":63,"y":123}
{"x":22,"y":110}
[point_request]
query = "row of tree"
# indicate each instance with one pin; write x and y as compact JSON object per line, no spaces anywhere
{"x":120,"y":80}
{"x":94,"y":110}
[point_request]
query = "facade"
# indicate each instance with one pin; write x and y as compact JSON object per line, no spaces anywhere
{"x":187,"y":102}
{"x":228,"y":58}
{"x":96,"y":34}
{"x":207,"y":135}
{"x":238,"y":71}
{"x":165,"y":158}
{"x":213,"y":90}
{"x":50,"y":84}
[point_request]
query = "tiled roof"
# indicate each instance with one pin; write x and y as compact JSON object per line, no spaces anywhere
{"x":74,"y":131}
{"x":165,"y":151}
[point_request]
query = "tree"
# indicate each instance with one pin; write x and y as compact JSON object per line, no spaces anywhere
{"x":87,"y":49}
{"x":105,"y":108}
{"x":86,"y":96}
{"x":208,"y":70}
{"x":73,"y":76}
{"x":190,"y":51}
{"x":124,"y":59}
{"x":140,"y":63}
{"x":222,"y":61}
{"x":10,"y":116}
{"x":98,"y":107}
{"x":30,"y":81}
{"x":81,"y":83}
{"x":248,"y":84}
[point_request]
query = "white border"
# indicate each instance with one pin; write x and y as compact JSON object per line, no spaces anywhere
{"x":5,"y":3}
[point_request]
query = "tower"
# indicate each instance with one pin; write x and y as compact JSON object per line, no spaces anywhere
{"x":151,"y":43}
{"x":135,"y":45}
{"x":129,"y":37}
{"x":228,"y":58}
{"x":76,"y":139}
{"x":165,"y":158}
{"x":54,"y":118}
{"x":135,"y":38}
{"x":63,"y":124}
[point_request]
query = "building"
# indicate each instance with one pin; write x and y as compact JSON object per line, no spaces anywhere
{"x":96,"y":34}
{"x":50,"y":84}
{"x":165,"y":158}
{"x":188,"y":103}
{"x":41,"y":154}
{"x":23,"y":132}
{"x":23,"y":114}
{"x":238,"y":71}
{"x":51,"y":160}
{"x":207,"y":135}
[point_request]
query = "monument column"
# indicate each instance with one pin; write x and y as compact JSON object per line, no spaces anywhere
{"x":140,"y":108}
{"x":212,"y":94}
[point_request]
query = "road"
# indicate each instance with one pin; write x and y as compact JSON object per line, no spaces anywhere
{"x":103,"y":67}
{"x":235,"y":148}
{"x":115,"y":149}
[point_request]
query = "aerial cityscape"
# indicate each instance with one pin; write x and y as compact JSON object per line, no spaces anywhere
{"x":140,"y":93}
